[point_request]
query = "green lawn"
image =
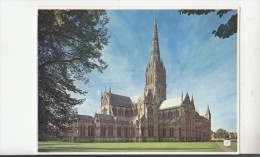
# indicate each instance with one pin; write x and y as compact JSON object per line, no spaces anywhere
{"x":233,"y":145}
{"x":51,"y":146}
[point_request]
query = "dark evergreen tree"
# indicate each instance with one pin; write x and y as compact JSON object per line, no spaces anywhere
{"x":69,"y":47}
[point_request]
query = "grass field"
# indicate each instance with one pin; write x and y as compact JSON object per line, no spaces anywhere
{"x":233,"y":146}
{"x":51,"y":146}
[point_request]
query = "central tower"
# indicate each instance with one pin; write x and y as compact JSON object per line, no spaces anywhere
{"x":155,"y":70}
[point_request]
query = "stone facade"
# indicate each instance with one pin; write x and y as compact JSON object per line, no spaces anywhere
{"x":148,"y":116}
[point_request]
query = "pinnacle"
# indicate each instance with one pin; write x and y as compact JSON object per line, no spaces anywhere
{"x":155,"y":51}
{"x":208,"y":111}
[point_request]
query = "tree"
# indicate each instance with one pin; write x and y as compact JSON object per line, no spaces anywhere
{"x":69,"y":47}
{"x":221,"y":133}
{"x":224,"y":30}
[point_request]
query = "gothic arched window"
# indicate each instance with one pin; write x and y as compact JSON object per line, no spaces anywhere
{"x":80,"y":130}
{"x":119,"y":131}
{"x":150,"y":111}
{"x":169,"y":114}
{"x":180,"y":133}
{"x":126,"y":112}
{"x":164,"y":115}
{"x":133,"y":131}
{"x":84,"y":130}
{"x":177,"y":113}
{"x":120,"y":112}
{"x":171,"y":132}
{"x":110,"y":131}
{"x":104,"y":131}
{"x":114,"y":111}
{"x":89,"y":131}
{"x":142,"y":131}
{"x":104,"y":110}
{"x":188,"y":114}
{"x":131,"y":112}
{"x":150,"y":130}
{"x":164,"y":132}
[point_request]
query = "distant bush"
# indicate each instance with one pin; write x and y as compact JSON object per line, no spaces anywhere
{"x":221,"y":133}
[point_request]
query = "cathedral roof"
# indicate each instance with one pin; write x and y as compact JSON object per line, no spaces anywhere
{"x":127,"y":119}
{"x":197,"y":115}
{"x":85,"y":117}
{"x":171,"y":103}
{"x":120,"y":100}
{"x":117,"y":118}
{"x":125,"y":100}
{"x":105,"y":117}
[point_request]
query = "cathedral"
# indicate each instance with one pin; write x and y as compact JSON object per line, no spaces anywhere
{"x":148,"y":116}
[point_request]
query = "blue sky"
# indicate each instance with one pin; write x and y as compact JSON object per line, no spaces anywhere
{"x":196,"y":62}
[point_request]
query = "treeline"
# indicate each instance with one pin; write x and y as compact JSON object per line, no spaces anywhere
{"x":221,"y":133}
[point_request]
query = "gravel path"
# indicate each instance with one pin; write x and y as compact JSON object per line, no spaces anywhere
{"x":224,"y":148}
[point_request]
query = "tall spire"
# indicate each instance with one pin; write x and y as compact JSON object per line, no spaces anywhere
{"x":155,"y":70}
{"x":155,"y":52}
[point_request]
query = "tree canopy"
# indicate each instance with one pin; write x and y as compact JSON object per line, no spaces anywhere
{"x":69,"y":47}
{"x":221,"y":133}
{"x":224,"y":30}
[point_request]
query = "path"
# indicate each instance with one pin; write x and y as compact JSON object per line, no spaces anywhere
{"x":224,"y":148}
